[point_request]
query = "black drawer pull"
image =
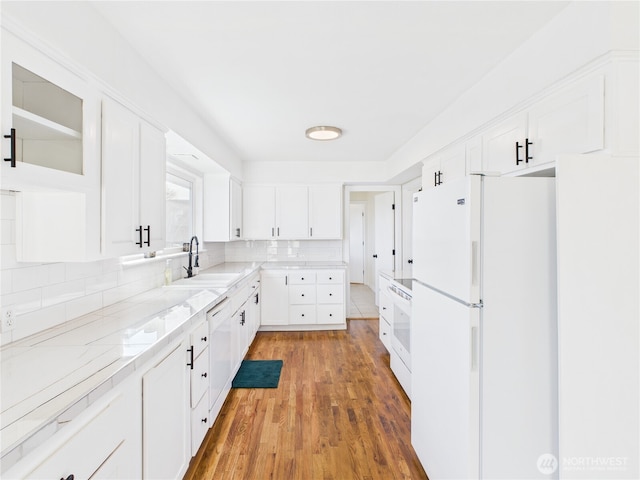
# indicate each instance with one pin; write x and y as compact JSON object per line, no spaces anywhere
{"x":70,"y":477}
{"x":204,"y":375}
{"x":204,"y":420}
{"x":204,"y":339}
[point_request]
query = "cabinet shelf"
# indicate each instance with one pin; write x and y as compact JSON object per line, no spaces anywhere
{"x":30,"y":126}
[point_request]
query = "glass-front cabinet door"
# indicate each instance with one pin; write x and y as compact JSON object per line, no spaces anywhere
{"x":50,"y":122}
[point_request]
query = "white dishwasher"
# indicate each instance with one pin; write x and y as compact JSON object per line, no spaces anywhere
{"x":219,"y":318}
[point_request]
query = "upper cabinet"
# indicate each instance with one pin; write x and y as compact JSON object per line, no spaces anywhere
{"x":222,"y":208}
{"x":133,"y":177}
{"x":325,"y":212}
{"x":50,"y":126}
{"x":445,"y":166}
{"x":568,"y":121}
{"x":292,"y":212}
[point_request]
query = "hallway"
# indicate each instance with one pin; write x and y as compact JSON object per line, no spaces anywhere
{"x":362,"y":305}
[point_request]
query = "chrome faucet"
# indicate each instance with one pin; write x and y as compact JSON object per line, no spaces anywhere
{"x":195,"y":264}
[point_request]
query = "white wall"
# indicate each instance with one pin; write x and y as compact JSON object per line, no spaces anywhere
{"x":578,"y":34}
{"x":43,"y":295}
{"x":79,"y":33}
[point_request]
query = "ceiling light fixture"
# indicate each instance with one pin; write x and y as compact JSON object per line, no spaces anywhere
{"x":323,"y":133}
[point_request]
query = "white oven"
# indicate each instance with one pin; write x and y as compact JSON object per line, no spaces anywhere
{"x":400,"y":293}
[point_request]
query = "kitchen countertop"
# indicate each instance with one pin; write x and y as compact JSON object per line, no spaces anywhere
{"x":70,"y":366}
{"x":301,"y":265}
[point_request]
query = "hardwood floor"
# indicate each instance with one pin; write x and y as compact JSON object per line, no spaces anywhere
{"x":337,"y":414}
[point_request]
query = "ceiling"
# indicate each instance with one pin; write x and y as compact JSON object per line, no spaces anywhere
{"x":260,"y":73}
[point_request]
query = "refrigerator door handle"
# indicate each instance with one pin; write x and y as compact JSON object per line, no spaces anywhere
{"x":475,"y":360}
{"x":474,"y":263}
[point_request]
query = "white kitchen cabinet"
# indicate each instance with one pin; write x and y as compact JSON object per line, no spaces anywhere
{"x":199,"y":365}
{"x":239,"y":337}
{"x":299,"y":298}
{"x":385,"y":309}
{"x":166,"y":419}
{"x":102,"y":442}
{"x":503,"y":146}
{"x":444,"y":166}
{"x":259,"y":212}
{"x":133,"y":176}
{"x":52,"y":134}
{"x":570,"y":120}
{"x":325,"y":212}
{"x":292,"y":212}
{"x":55,"y":118}
{"x":275,"y":297}
{"x":222,"y":208}
{"x":253,"y":307}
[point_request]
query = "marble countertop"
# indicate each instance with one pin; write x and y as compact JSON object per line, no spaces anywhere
{"x":302,"y":265}
{"x":59,"y":372}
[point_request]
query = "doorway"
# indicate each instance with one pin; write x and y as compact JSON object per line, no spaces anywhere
{"x":356,"y":242}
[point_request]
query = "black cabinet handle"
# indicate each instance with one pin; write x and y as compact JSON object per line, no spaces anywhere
{"x":272,"y":233}
{"x":375,"y":255}
{"x":518,"y":159}
{"x":303,"y":294}
{"x":148,"y":230}
{"x":190,"y":363}
{"x":12,"y":158}
{"x":303,"y":314}
{"x":204,"y":339}
{"x":70,"y":477}
{"x":204,"y":375}
{"x":331,"y":314}
{"x":438,"y":178}
{"x":410,"y":261}
{"x":139,"y":230}
{"x":257,"y":300}
{"x":242,"y":318}
{"x":526,"y":150}
{"x":237,"y":232}
{"x":204,"y":420}
{"x":330,"y":278}
{"x":435,"y":179}
{"x":331,"y":294}
{"x":278,"y":231}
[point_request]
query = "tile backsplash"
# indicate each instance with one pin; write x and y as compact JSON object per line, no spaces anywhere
{"x":283,"y":251}
{"x":42,"y":295}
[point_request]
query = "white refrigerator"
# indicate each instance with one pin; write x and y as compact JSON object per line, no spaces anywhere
{"x":484,"y":330}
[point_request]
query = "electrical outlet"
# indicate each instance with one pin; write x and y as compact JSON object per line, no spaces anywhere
{"x":8,"y":320}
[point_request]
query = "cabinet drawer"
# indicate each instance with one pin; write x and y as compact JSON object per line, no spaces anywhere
{"x":85,"y":452}
{"x":330,"y":293}
{"x":302,"y":294}
{"x":385,"y":333}
{"x":330,"y":276}
{"x":239,"y":297}
{"x":328,"y":314}
{"x":302,"y":278}
{"x":302,"y":314}
{"x":385,"y":308}
{"x":199,"y":424}
{"x":200,"y":339}
{"x":199,"y":377}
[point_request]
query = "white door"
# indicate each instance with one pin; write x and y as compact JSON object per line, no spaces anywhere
{"x":446,"y":241}
{"x":445,"y":385}
{"x":325,"y":211}
{"x":165,"y":409}
{"x":292,"y":212}
{"x":356,"y":243}
{"x":258,"y":212}
{"x":384,"y":227}
{"x":120,"y":179}
{"x":153,"y":160}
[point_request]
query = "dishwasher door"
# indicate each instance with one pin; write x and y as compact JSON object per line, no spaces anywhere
{"x":219,"y":355}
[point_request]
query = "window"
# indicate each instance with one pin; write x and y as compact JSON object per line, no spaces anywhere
{"x":180,"y":212}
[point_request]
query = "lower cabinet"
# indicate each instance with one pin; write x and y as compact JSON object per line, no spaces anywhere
{"x":386,"y":312}
{"x":198,"y":363}
{"x":166,"y":446}
{"x":89,"y":446}
{"x":311,"y":298}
